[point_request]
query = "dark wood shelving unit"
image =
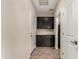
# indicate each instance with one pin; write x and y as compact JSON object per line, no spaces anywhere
{"x":45,"y":32}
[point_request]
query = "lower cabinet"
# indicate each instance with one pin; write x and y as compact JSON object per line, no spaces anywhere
{"x":45,"y":40}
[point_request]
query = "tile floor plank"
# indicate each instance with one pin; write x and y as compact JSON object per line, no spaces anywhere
{"x":45,"y":53}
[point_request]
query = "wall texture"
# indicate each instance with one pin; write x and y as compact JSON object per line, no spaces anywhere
{"x":16,"y":22}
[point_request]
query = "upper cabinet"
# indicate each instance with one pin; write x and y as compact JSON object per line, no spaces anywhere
{"x":45,"y":22}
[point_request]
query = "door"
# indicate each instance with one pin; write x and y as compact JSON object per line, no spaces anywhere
{"x":70,"y":48}
{"x":70,"y":24}
{"x":70,"y":40}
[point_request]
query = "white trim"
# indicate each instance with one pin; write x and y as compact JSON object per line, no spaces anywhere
{"x":56,"y":33}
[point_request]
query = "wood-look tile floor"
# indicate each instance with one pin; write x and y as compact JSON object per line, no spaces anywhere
{"x":45,"y":53}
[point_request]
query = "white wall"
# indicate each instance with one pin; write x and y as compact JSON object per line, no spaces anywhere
{"x":59,"y":7}
{"x":42,"y":14}
{"x":16,"y":44}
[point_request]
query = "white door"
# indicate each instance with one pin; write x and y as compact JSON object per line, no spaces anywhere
{"x":70,"y":48}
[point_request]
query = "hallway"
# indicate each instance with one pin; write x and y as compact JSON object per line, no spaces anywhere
{"x":39,"y":29}
{"x":45,"y":53}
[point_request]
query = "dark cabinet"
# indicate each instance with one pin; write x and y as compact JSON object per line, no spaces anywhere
{"x":45,"y":40}
{"x":45,"y":22}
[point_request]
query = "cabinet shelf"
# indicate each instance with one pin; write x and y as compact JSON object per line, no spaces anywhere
{"x":45,"y":32}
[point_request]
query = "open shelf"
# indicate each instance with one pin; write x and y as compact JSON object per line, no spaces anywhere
{"x":45,"y":31}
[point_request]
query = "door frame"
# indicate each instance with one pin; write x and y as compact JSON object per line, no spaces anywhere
{"x":62,"y":21}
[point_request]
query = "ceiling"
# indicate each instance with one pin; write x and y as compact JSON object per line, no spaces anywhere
{"x":45,"y":6}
